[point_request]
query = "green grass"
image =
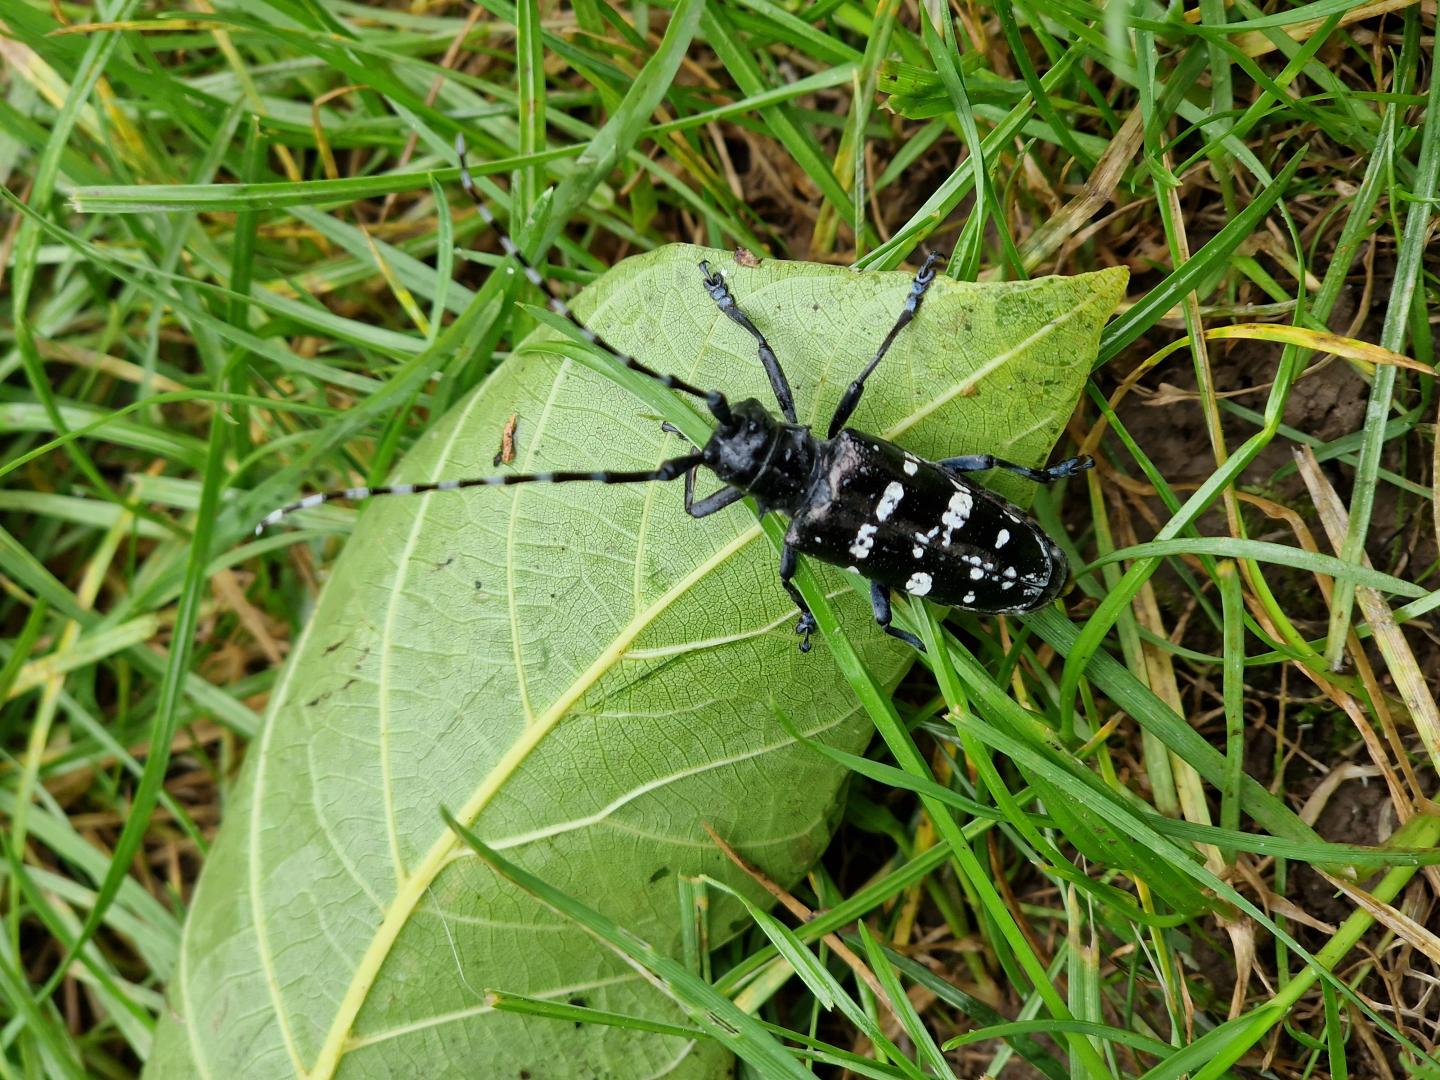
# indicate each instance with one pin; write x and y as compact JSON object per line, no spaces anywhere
{"x":230,"y":275}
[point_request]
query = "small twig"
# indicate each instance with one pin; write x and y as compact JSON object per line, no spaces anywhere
{"x":804,"y":914}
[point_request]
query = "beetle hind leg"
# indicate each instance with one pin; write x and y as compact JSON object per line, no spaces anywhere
{"x":1047,"y":475}
{"x":806,"y":626}
{"x":880,"y":603}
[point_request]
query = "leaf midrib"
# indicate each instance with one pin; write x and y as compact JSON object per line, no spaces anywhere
{"x":409,"y":892}
{"x":970,"y":381}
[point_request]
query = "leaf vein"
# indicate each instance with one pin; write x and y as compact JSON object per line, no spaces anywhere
{"x":639,"y":791}
{"x":337,"y":1040}
{"x":534,"y":441}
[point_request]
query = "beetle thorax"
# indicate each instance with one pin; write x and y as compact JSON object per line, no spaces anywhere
{"x":762,"y":456}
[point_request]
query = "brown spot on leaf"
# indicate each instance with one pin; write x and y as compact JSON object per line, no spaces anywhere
{"x":506,"y":453}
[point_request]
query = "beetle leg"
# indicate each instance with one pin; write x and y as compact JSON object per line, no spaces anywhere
{"x":711,"y":503}
{"x":880,"y":603}
{"x":851,"y":397}
{"x":806,"y":626}
{"x":671,"y":429}
{"x":1048,"y":475}
{"x":719,"y":291}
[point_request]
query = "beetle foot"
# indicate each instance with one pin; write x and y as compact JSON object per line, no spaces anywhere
{"x":713,"y":279}
{"x":806,"y":626}
{"x":1071,"y":466}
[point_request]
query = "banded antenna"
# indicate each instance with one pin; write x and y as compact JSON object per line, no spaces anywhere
{"x":672,"y":469}
{"x":715,"y":400}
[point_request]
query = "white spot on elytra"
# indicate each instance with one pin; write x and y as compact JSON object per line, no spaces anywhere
{"x":968,"y":598}
{"x":1007,"y":584}
{"x":864,"y":541}
{"x":976,"y":573}
{"x":911,"y":468}
{"x":917,"y":551}
{"x":853,"y":569}
{"x":1002,"y":538}
{"x":918,"y":585}
{"x":894,"y":492}
{"x":1010,"y":572}
{"x":957,"y":513}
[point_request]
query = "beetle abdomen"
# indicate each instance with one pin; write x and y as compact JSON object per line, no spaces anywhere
{"x":882,"y":512}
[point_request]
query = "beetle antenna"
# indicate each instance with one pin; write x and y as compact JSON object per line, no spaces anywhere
{"x":719,"y":407}
{"x":668,"y":470}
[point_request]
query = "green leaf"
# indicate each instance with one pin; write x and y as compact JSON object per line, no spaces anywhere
{"x":585,"y":676}
{"x":713,"y":1012}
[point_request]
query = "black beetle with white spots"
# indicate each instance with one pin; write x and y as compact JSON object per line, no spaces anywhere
{"x":854,"y":500}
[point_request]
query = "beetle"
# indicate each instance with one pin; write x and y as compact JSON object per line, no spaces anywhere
{"x":854,"y":500}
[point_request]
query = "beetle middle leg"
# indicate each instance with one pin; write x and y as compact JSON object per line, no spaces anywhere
{"x":923,"y":277}
{"x":719,"y":291}
{"x":1048,"y":475}
{"x":880,"y":604}
{"x":806,"y":626}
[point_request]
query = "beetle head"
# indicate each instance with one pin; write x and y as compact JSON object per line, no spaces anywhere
{"x":737,"y":451}
{"x":762,"y":456}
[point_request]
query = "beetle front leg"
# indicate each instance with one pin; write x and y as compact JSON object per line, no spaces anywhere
{"x":806,"y":626}
{"x":711,"y":503}
{"x":671,"y":429}
{"x":698,"y":508}
{"x":880,"y":604}
{"x":719,"y":291}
